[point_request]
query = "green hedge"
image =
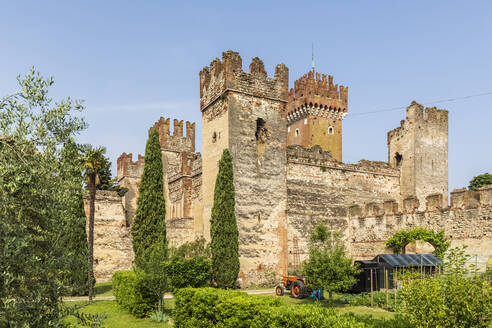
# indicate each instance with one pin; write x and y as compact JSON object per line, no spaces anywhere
{"x":192,"y":272}
{"x":133,"y":292}
{"x":208,"y":307}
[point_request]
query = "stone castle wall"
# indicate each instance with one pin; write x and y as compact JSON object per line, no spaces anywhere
{"x":468,"y":221}
{"x":419,"y":147}
{"x":113,"y":248}
{"x":319,"y":189}
{"x":245,"y":113}
{"x":286,"y":183}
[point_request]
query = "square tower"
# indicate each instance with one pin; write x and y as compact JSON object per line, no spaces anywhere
{"x":419,"y":147}
{"x":245,"y":113}
{"x":316,"y":109}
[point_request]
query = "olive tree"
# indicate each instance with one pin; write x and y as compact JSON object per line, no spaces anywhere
{"x":33,"y":209}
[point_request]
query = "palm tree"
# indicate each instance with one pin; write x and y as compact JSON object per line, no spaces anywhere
{"x":94,"y":162}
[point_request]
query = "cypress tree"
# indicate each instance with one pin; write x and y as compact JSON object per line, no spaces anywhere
{"x":73,"y":234}
{"x":223,"y":227}
{"x":149,"y":227}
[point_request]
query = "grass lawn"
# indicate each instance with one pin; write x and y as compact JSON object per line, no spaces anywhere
{"x":339,"y":306}
{"x":103,"y":289}
{"x":117,"y":317}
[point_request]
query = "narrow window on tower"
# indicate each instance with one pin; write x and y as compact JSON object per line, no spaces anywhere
{"x":331,"y":130}
{"x":297,"y":132}
{"x":398,"y":159}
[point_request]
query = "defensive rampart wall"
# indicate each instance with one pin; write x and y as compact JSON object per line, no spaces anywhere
{"x":468,"y":221}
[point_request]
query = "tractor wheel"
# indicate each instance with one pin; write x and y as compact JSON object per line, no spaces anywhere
{"x":279,"y":290}
{"x":298,"y":290}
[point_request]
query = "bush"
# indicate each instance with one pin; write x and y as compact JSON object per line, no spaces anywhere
{"x":134,"y":292}
{"x":457,"y":298}
{"x":208,"y":307}
{"x":191,"y":272}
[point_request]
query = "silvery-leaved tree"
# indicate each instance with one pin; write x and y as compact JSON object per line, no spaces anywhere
{"x":35,"y":201}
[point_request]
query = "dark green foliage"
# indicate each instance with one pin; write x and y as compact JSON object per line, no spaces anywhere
{"x":33,"y":129}
{"x":192,"y":272}
{"x":133,"y":291}
{"x":328,"y":265}
{"x":398,"y":322}
{"x":208,"y":307}
{"x":480,"y":181}
{"x":149,"y":226}
{"x":223,"y":227}
{"x":196,"y":248}
{"x":402,"y":238}
{"x":189,"y":265}
{"x":74,"y":236}
{"x":107,"y":182}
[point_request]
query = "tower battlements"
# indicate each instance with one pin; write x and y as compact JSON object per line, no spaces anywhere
{"x":228,"y":75}
{"x":316,"y":94}
{"x":126,"y":167}
{"x":461,"y":199}
{"x":417,"y":114}
{"x":177,"y":141}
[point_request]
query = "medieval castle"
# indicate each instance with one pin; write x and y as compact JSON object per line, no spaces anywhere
{"x":288,"y":170}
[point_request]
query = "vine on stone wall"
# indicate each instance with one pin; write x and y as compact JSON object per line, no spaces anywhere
{"x":402,"y":238}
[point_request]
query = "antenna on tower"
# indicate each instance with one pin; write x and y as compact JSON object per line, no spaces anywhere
{"x":312,"y":55}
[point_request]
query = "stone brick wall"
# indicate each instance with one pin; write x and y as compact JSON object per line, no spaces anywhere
{"x":128,"y":176}
{"x":419,"y":147}
{"x":113,"y":248}
{"x":319,"y":188}
{"x":245,"y":112}
{"x":468,"y":221}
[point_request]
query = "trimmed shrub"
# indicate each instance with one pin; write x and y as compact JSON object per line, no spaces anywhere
{"x":133,"y":291}
{"x":208,"y":307}
{"x":191,"y":272}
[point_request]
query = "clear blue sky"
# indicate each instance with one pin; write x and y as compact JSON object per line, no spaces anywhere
{"x":133,"y":62}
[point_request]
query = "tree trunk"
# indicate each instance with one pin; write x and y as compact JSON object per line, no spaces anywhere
{"x":92,"y":199}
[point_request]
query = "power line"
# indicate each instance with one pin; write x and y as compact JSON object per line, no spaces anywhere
{"x":427,"y":103}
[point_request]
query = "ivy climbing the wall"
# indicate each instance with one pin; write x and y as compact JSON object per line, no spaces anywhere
{"x":402,"y":238}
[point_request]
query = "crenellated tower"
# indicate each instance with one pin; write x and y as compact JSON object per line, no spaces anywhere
{"x":419,"y":148}
{"x":245,"y":112}
{"x":315,"y":112}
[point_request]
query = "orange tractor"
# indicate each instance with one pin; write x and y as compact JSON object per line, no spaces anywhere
{"x":297,"y":287}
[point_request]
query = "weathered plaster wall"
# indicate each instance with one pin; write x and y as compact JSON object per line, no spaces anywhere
{"x":113,"y":248}
{"x":215,"y":138}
